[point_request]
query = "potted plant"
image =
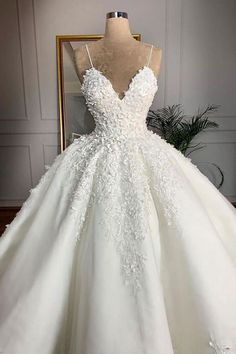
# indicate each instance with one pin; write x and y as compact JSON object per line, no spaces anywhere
{"x":171,"y":123}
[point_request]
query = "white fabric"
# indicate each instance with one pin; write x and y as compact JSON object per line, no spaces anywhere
{"x":124,"y":246}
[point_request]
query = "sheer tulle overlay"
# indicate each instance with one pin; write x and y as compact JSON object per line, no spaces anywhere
{"x":123,"y":247}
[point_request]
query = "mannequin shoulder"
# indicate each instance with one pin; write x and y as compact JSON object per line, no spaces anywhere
{"x":156,"y":55}
{"x":81,"y":58}
{"x":156,"y":58}
{"x":79,"y":53}
{"x":156,"y":49}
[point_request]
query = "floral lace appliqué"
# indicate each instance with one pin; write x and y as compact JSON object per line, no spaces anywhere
{"x":219,"y":348}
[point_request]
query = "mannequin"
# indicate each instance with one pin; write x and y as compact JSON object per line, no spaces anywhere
{"x":117,"y":55}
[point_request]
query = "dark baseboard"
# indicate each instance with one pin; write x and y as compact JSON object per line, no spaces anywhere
{"x":7,"y":214}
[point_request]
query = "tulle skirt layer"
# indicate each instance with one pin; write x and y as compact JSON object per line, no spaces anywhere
{"x":122,"y":247}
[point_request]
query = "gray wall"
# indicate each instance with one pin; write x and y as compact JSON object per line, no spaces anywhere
{"x":199,"y":56}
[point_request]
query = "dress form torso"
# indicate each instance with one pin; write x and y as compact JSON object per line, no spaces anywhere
{"x":121,"y":94}
{"x":118,"y":62}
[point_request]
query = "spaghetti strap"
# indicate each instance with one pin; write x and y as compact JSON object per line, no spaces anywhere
{"x":150,"y":54}
{"x":89,"y":55}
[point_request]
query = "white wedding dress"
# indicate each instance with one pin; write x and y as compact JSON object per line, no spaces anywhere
{"x":123,"y":247}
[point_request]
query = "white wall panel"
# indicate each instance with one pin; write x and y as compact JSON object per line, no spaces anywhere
{"x":209,"y":55}
{"x":15,"y":186}
{"x":12,"y":86}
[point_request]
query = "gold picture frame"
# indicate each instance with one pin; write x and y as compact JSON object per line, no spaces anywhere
{"x":66,"y":44}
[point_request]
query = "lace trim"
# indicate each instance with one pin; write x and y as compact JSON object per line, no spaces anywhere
{"x":216,"y":347}
{"x":219,"y":348}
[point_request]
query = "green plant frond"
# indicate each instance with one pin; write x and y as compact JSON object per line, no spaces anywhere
{"x":171,"y":123}
{"x":209,"y":109}
{"x":193,"y":149}
{"x":179,"y":130}
{"x":221,"y":173}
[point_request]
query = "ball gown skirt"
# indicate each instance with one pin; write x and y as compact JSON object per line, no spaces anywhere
{"x":123,"y":247}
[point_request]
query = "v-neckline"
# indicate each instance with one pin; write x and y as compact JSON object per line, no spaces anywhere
{"x":125,"y":92}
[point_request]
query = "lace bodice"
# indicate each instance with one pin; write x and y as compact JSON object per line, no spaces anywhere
{"x":114,"y":116}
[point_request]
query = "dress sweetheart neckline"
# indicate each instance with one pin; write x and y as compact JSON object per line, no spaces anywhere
{"x":139,"y":71}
